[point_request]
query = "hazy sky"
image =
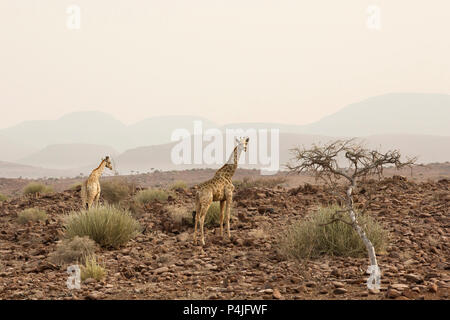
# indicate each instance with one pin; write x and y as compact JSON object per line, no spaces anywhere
{"x":230,"y":61}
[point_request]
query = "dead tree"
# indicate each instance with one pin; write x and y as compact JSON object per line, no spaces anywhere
{"x":324,"y":163}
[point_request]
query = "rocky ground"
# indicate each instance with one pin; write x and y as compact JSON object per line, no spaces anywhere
{"x":162,"y":262}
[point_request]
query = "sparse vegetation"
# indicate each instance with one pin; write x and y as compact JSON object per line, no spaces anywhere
{"x":109,"y":226}
{"x":73,"y":250}
{"x":178,"y":185}
{"x":150,"y":195}
{"x":76,"y":186}
{"x":212,"y":218}
{"x":31,"y":215}
{"x":92,"y":269}
{"x":180,"y":215}
{"x":316,"y":236}
{"x":3,"y":197}
{"x":35,"y":188}
{"x":213,"y":215}
{"x":116,"y":190}
{"x":247,"y":182}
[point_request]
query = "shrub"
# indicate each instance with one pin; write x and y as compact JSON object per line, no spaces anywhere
{"x":35,"y":188}
{"x":116,"y":190}
{"x":251,"y":183}
{"x":179,"y":184}
{"x":73,"y":250}
{"x":76,"y":186}
{"x":311,"y":238}
{"x":150,"y":195}
{"x":92,"y":269}
{"x":109,"y":226}
{"x":3,"y":197}
{"x":180,"y":215}
{"x":31,"y":214}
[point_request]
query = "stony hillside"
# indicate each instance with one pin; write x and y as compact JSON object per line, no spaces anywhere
{"x":162,"y":262}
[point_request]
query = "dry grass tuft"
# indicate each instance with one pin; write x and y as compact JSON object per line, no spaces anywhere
{"x":109,"y":226}
{"x":35,"y":188}
{"x":150,"y":195}
{"x":310,"y":238}
{"x":73,"y":250}
{"x":31,"y":215}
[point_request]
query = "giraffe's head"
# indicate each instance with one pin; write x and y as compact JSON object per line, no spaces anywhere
{"x":242,"y":143}
{"x":108,"y":163}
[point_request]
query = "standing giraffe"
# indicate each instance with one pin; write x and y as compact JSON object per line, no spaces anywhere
{"x":219,"y":188}
{"x":90,"y":189}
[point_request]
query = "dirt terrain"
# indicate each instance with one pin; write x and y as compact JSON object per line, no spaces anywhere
{"x":162,"y":262}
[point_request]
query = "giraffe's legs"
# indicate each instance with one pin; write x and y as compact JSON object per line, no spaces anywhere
{"x":197,"y":221}
{"x":228,"y":209}
{"x":222,"y":216}
{"x":203,"y":211}
{"x":96,"y":199}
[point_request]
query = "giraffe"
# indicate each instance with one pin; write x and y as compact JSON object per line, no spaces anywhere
{"x":219,"y":188}
{"x":90,"y":189}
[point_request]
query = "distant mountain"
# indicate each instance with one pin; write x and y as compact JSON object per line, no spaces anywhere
{"x":94,"y":127}
{"x":428,"y":149}
{"x":79,"y":127}
{"x":68,"y":156}
{"x":11,"y":149}
{"x":390,"y":114}
{"x":396,"y":113}
{"x":14,"y":170}
{"x":158,"y":130}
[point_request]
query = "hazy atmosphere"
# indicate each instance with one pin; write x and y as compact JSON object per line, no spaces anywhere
{"x":257,"y":150}
{"x":229,"y":61}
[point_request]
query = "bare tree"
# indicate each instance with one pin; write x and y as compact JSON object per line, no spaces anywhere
{"x":323,"y":163}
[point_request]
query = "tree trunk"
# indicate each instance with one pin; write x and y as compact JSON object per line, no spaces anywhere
{"x":374,"y":280}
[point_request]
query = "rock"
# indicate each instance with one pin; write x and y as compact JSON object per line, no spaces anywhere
{"x":414,"y":278}
{"x":399,"y":286}
{"x":340,"y":291}
{"x":183,"y":237}
{"x":392,"y":293}
{"x":276,"y":294}
{"x":161,"y":270}
{"x":89,"y":280}
{"x":311,"y":284}
{"x":266,"y":291}
{"x":93,"y":296}
{"x":433,"y":287}
{"x":374,"y":291}
{"x":338,"y":284}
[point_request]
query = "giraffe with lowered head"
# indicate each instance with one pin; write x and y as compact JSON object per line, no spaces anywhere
{"x":90,"y":189}
{"x":219,"y":188}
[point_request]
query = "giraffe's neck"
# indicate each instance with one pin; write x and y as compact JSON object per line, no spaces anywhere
{"x":99,"y":170}
{"x":230,"y":167}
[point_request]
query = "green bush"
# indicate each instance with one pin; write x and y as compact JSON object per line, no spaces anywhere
{"x":179,"y":184}
{"x":92,"y":269}
{"x":150,"y":195}
{"x":312,"y":237}
{"x":73,"y":250}
{"x":116,"y":190}
{"x":31,"y":214}
{"x":35,"y":188}
{"x":109,"y":226}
